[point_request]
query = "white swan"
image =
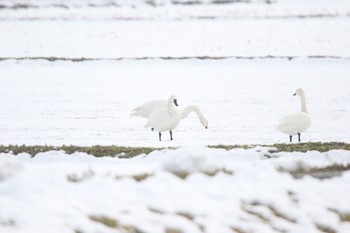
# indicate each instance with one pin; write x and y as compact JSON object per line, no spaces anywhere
{"x":165,"y":119}
{"x":146,"y":109}
{"x":296,"y":123}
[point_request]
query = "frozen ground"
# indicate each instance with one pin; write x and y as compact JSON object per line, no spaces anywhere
{"x":176,"y":39}
{"x":134,"y":61}
{"x":72,"y":71}
{"x":192,"y":189}
{"x":89,"y":103}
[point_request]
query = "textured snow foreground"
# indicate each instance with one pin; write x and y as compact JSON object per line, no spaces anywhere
{"x":191,"y":189}
{"x":72,"y":71}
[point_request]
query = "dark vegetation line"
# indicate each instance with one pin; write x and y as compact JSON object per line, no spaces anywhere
{"x":203,"y":17}
{"x":157,"y":4}
{"x":295,"y":147}
{"x":98,"y":151}
{"x":117,"y":4}
{"x":129,"y":152}
{"x":112,"y":3}
{"x":82,"y":59}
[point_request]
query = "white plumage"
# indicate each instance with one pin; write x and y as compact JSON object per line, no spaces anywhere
{"x":165,"y":119}
{"x":296,"y":123}
{"x":146,"y":109}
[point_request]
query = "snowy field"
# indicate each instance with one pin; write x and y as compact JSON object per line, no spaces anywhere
{"x":72,"y":71}
{"x":192,"y":189}
{"x":239,"y":68}
{"x":88,"y":103}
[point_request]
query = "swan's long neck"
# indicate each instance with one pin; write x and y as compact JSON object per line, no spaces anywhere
{"x":303,"y":103}
{"x":170,"y":107}
{"x":186,"y":111}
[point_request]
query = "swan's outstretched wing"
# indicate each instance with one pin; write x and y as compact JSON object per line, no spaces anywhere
{"x":146,"y":109}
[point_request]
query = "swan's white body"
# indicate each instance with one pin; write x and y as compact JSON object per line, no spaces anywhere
{"x":165,"y":119}
{"x":146,"y":109}
{"x":296,"y":123}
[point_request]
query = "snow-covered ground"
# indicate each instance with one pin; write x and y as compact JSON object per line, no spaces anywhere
{"x":192,"y":189}
{"x":72,"y":71}
{"x":89,"y":103}
{"x":171,"y":38}
{"x":243,"y":95}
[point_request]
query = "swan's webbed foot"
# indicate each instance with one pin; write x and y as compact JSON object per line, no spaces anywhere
{"x":171,"y":135}
{"x":299,"y":137}
{"x":160,"y":136}
{"x":290,"y":138}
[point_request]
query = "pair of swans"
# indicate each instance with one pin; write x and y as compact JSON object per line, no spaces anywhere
{"x":296,"y":123}
{"x":165,"y":116}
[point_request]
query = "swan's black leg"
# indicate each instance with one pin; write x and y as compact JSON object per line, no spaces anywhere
{"x":299,"y":136}
{"x":290,"y":138}
{"x":160,"y":136}
{"x":171,"y":135}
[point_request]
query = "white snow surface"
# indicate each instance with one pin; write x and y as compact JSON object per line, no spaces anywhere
{"x":88,"y":103}
{"x":224,"y":191}
{"x":136,"y":59}
{"x":172,"y":38}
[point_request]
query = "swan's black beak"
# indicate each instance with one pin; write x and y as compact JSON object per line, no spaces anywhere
{"x":294,"y":94}
{"x":175,"y":102}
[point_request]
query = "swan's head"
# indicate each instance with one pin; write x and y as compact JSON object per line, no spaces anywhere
{"x":204,"y":122}
{"x":299,"y":92}
{"x":173,"y":99}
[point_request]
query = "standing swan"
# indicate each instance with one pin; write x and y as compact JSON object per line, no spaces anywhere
{"x":296,"y":123}
{"x":165,"y":119}
{"x":146,"y":109}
